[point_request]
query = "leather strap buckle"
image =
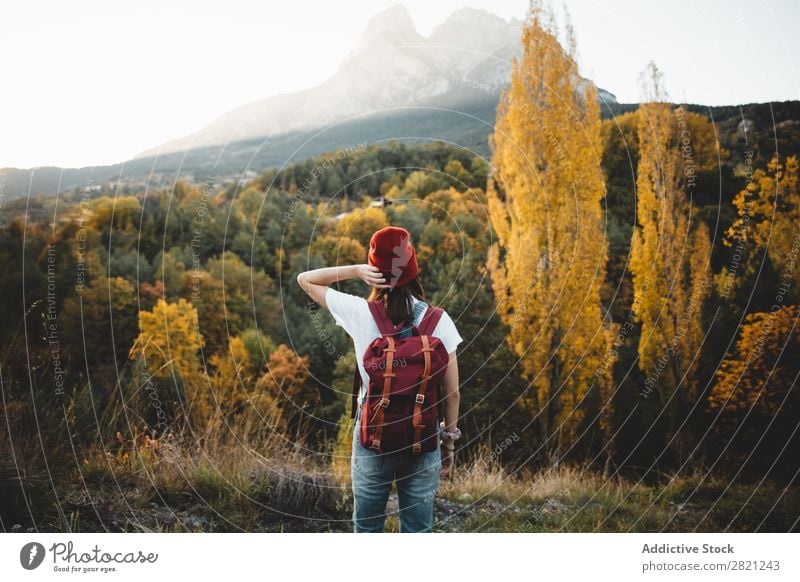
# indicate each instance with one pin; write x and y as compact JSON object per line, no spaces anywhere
{"x":383,"y":402}
{"x":420,"y":398}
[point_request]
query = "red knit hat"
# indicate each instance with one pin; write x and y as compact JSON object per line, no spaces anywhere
{"x":390,"y":250}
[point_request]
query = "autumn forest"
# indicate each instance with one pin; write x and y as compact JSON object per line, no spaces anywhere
{"x":627,"y":284}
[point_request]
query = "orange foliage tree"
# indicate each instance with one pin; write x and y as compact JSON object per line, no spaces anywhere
{"x":286,"y":384}
{"x":762,"y":372}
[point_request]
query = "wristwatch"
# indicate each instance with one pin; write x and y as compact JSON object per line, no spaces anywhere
{"x":451,"y":436}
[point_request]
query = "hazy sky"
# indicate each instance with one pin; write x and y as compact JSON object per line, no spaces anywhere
{"x":96,"y":82}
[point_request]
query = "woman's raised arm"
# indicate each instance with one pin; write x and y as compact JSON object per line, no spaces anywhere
{"x":316,"y":282}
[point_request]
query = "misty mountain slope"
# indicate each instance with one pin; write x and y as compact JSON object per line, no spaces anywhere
{"x":770,"y":125}
{"x":466,"y":58}
{"x":469,"y":126}
{"x":394,"y":84}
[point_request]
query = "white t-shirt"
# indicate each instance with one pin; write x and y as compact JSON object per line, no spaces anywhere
{"x":353,"y":315}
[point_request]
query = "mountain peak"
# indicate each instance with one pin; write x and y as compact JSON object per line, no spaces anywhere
{"x":394,"y":21}
{"x":466,"y":59}
{"x":467,"y":14}
{"x":393,"y":16}
{"x":470,"y":36}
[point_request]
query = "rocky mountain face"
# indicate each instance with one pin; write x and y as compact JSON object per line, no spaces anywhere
{"x":467,"y":58}
{"x":394,"y":84}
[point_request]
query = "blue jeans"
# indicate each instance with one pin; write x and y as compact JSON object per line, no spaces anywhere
{"x":417,"y":478}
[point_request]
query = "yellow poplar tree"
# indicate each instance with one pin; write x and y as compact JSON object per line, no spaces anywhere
{"x":168,"y":336}
{"x":549,"y":261}
{"x":169,"y":340}
{"x":669,"y":255}
{"x":768,"y":215}
{"x":231,"y":379}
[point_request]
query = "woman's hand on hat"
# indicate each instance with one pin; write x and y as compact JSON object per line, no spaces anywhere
{"x":372,"y":276}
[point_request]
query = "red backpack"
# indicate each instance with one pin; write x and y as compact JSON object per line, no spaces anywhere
{"x":400,"y":411}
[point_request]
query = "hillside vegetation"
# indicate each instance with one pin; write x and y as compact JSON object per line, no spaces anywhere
{"x":627,"y":288}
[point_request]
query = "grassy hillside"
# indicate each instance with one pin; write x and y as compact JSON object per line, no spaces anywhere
{"x":144,"y":485}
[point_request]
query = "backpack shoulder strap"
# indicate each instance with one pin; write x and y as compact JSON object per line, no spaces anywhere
{"x":430,"y":320}
{"x":417,"y":317}
{"x":418,"y":308}
{"x":385,"y":326}
{"x":356,"y":389}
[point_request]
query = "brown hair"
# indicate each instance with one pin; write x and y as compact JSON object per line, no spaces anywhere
{"x":398,"y":301}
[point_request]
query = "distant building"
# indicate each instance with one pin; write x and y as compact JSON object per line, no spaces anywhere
{"x":381,"y":202}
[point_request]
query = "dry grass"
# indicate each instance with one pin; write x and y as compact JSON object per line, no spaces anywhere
{"x":250,"y":479}
{"x":483,"y":477}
